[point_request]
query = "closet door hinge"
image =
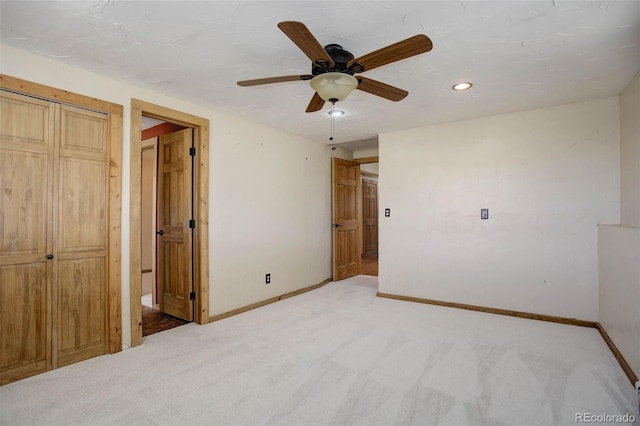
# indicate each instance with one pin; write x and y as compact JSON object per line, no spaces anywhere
{"x":192,"y":223}
{"x":192,"y":295}
{"x":192,"y":151}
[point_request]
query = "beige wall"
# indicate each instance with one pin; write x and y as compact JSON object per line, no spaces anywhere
{"x":619,"y":261}
{"x":269,"y":199}
{"x":548,"y":178}
{"x":630,"y":153}
{"x":271,"y":205}
{"x":619,"y":246}
{"x":340,"y":152}
{"x":363,"y":153}
{"x":370,"y":168}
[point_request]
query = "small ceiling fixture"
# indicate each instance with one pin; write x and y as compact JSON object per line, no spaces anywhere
{"x":336,"y":113}
{"x":462,"y":86}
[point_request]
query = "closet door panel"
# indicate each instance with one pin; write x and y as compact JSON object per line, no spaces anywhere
{"x":26,"y":122}
{"x":24,"y":325}
{"x":83,"y":133}
{"x":26,"y":167}
{"x":23,"y":205}
{"x":80,"y":310}
{"x":82,"y":216}
{"x":80,"y":213}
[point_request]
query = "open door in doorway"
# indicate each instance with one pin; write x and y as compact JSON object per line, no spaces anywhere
{"x":346,"y":218}
{"x":370,"y":219}
{"x":200,"y":210}
{"x":174,"y":219}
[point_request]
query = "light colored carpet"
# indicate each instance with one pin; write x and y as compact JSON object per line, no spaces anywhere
{"x":337,"y":355}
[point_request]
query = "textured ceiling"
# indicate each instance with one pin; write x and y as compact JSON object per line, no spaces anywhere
{"x":519,"y":54}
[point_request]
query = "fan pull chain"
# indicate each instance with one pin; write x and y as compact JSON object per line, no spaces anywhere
{"x":333,"y":104}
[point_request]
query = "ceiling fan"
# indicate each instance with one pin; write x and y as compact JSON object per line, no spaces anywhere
{"x":333,"y":68}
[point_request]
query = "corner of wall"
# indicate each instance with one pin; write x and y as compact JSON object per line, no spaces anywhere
{"x":619,"y":245}
{"x":630,"y":153}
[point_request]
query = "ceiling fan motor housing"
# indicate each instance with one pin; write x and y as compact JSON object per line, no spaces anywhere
{"x":340,"y":58}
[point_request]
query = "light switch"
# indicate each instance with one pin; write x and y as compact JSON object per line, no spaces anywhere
{"x":484,"y":213}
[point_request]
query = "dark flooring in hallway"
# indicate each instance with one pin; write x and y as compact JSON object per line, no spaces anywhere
{"x":155,"y":321}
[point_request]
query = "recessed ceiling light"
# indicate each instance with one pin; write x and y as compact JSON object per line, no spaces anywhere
{"x":462,"y":86}
{"x":336,"y":113}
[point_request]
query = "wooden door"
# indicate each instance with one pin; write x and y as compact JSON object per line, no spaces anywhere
{"x":80,"y":237}
{"x":26,"y":182}
{"x":346,"y":219}
{"x":174,"y":248}
{"x":53,"y":229}
{"x":370,"y":216}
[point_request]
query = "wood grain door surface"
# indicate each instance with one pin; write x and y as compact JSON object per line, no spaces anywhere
{"x":346,"y":219}
{"x":370,"y":216}
{"x":53,"y":235}
{"x":80,"y":237}
{"x":26,"y":183}
{"x":174,"y":258}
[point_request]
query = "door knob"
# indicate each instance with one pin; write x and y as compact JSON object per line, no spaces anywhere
{"x":49,"y":256}
{"x":160,"y":232}
{"x":336,"y":225}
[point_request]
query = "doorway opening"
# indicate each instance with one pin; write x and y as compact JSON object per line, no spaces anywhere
{"x":169,"y":255}
{"x":369,"y":178}
{"x":157,"y":314}
{"x":349,"y":221}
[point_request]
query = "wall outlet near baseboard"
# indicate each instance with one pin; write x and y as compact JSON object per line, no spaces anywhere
{"x":267,"y":279}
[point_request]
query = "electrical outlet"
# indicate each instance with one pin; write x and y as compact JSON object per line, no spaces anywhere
{"x":387,"y":212}
{"x":267,"y":279}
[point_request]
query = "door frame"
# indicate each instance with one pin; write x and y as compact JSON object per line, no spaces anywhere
{"x":201,"y":205}
{"x":114,"y":159}
{"x":334,"y":213}
{"x":365,"y":178}
{"x":366,"y":160}
{"x":363,"y":160}
{"x":152,"y":147}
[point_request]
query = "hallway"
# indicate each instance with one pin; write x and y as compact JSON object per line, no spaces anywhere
{"x":369,"y":264}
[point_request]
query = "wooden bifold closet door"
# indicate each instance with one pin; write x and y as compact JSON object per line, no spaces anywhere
{"x":53,"y":235}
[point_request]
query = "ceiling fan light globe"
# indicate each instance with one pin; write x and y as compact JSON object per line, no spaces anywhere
{"x":333,"y":85}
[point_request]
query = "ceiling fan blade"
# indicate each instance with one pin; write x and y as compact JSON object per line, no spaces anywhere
{"x":270,"y":80}
{"x":302,"y":37}
{"x":395,"y":52}
{"x":381,"y":89}
{"x":316,"y":103}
